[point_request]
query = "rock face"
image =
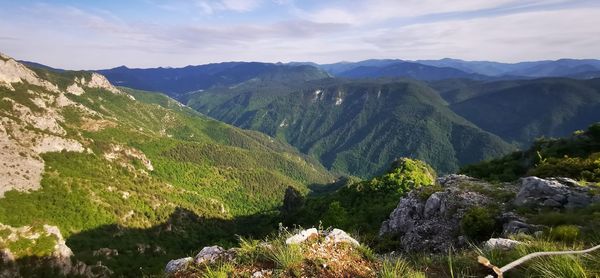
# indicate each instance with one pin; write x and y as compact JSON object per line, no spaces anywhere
{"x":38,"y":127}
{"x":552,"y":193}
{"x":57,"y":257}
{"x":433,"y":223}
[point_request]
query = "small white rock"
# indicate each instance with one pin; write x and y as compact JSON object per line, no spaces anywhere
{"x":302,"y":236}
{"x":337,"y":236}
{"x":501,"y":243}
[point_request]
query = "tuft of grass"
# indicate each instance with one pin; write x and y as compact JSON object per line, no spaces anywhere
{"x":398,"y":268}
{"x":567,"y":266}
{"x":219,"y":271}
{"x":366,"y":253}
{"x":249,"y":250}
{"x":288,"y":258}
{"x":568,"y":233}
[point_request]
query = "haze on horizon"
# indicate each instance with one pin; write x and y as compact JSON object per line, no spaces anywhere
{"x":150,"y":33}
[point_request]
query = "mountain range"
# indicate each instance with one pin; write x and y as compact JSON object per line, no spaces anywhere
{"x":356,"y":118}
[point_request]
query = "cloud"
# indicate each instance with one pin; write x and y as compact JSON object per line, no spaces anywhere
{"x":88,"y":38}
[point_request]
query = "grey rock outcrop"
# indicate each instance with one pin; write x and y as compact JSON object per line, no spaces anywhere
{"x":433,"y":223}
{"x":552,"y":193}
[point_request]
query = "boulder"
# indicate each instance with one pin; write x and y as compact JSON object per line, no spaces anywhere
{"x":501,"y":243}
{"x":174,"y":266}
{"x":302,"y":236}
{"x":210,"y":254}
{"x":519,"y":227}
{"x":337,"y":236}
{"x":556,"y":193}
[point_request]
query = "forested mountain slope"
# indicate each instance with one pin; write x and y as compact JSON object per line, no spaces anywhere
{"x":355,"y":127}
{"x":130,"y":178}
{"x":520,"y":111}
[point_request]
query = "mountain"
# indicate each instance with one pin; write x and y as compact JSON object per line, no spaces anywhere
{"x":337,"y":68}
{"x":127,"y":178}
{"x":520,"y":111}
{"x":409,"y":70}
{"x":176,"y":82}
{"x":355,"y":126}
{"x":558,"y":68}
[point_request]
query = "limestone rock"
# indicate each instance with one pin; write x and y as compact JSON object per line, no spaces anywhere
{"x":553,"y":193}
{"x":501,"y":243}
{"x":209,"y":254}
{"x":432,"y":224}
{"x":302,"y":236}
{"x":337,"y":236}
{"x":174,"y":266}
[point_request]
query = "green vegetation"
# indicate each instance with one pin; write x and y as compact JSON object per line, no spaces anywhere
{"x":361,"y":206}
{"x":355,"y":127}
{"x":478,"y":223}
{"x":577,"y":157}
{"x":210,"y":181}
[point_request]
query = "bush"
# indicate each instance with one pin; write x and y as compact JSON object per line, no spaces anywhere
{"x":478,"y":223}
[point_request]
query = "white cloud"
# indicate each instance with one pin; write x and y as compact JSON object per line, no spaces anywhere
{"x":73,"y":38}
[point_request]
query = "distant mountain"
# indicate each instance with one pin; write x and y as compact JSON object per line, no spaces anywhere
{"x":355,"y":127}
{"x":129,"y":178}
{"x":176,"y":82}
{"x":558,"y":68}
{"x":409,"y":70}
{"x":520,"y":111}
{"x":337,"y":68}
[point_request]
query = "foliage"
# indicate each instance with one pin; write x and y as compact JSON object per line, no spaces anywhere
{"x":362,"y":205}
{"x":577,"y":157}
{"x":567,"y":233}
{"x":398,"y":267}
{"x":478,"y":223}
{"x":210,"y":180}
{"x":354,"y":127}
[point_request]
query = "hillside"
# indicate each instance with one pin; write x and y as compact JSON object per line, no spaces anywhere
{"x":176,"y":82}
{"x":576,"y":157}
{"x":355,"y":127}
{"x":520,"y":111}
{"x":128,"y":178}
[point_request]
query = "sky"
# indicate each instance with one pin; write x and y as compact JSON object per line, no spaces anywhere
{"x":87,"y":34}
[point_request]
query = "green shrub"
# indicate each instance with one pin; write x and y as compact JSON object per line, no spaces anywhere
{"x":478,"y":223}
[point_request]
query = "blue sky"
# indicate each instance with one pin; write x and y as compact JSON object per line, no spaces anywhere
{"x":149,"y":33}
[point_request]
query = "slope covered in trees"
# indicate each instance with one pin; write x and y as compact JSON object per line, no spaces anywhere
{"x":576,"y":157}
{"x":355,"y":127}
{"x":125,"y":173}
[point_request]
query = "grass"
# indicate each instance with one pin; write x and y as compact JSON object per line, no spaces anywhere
{"x":398,"y":267}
